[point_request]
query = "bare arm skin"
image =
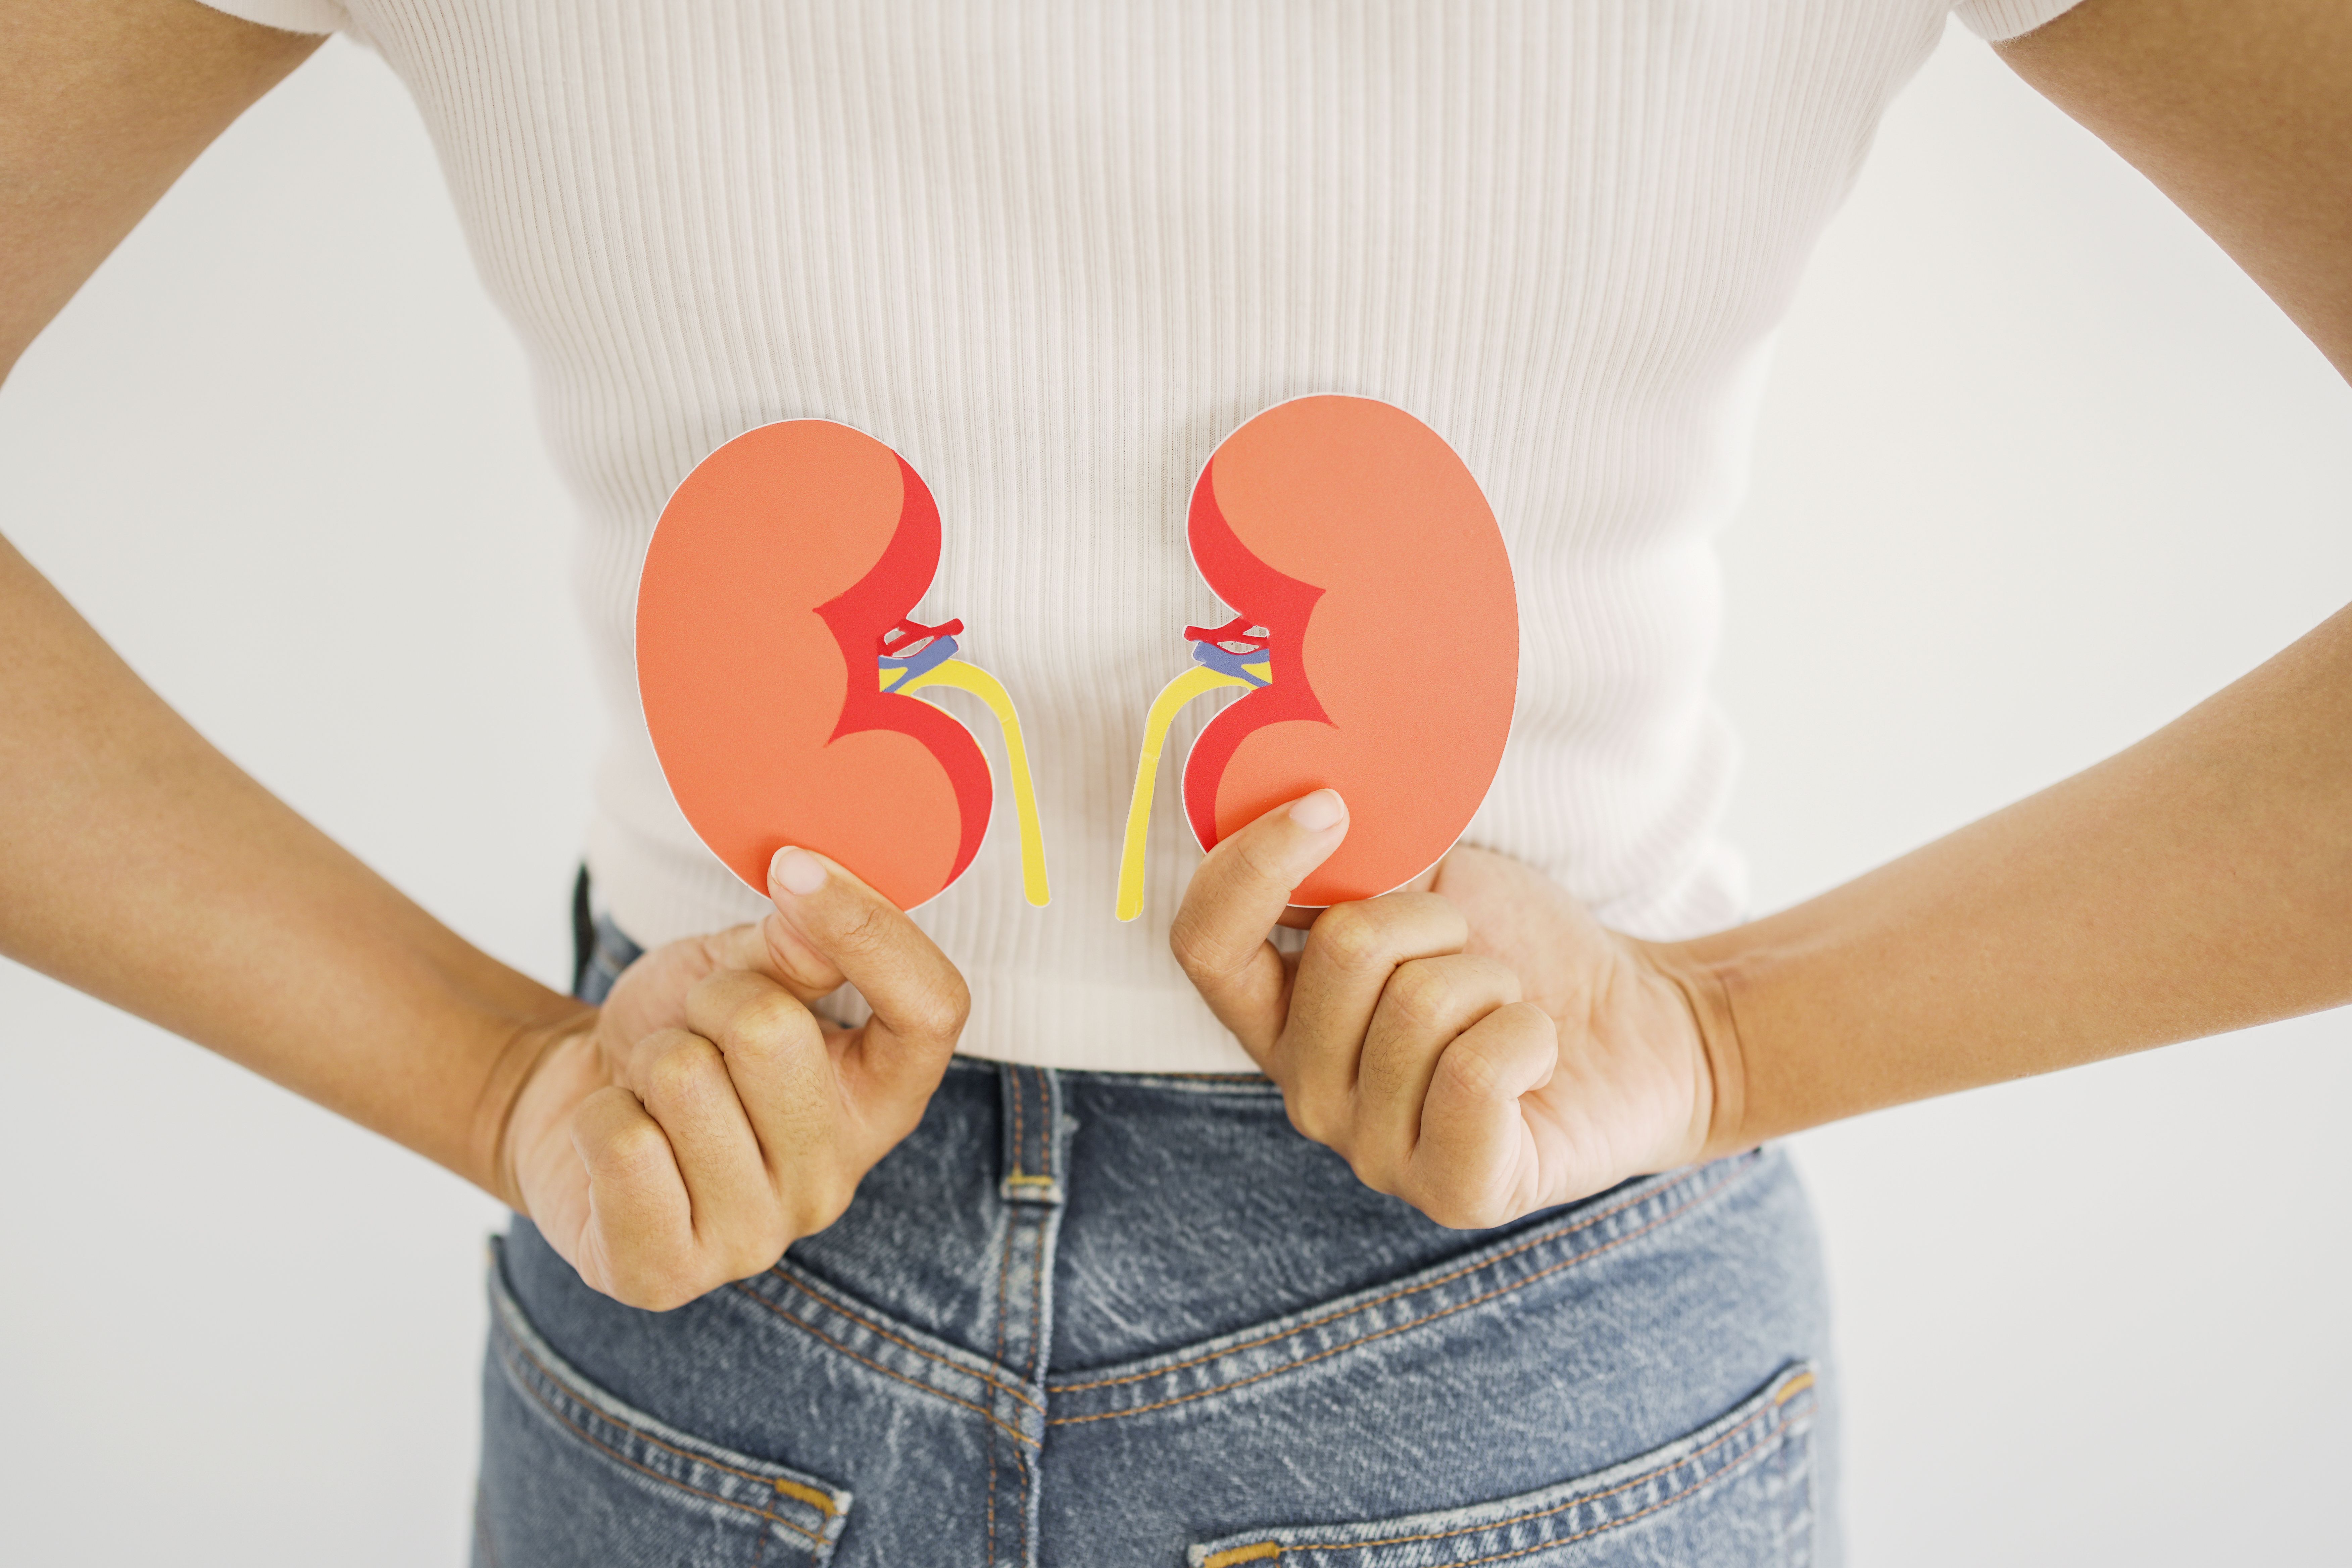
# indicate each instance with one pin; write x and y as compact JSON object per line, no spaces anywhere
{"x":1490,"y":1049}
{"x":682,"y":1135}
{"x":2241,"y":112}
{"x":136,"y":862}
{"x":2201,"y":881}
{"x":102,"y":107}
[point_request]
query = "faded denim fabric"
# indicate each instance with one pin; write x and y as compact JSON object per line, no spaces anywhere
{"x":1087,"y":1319}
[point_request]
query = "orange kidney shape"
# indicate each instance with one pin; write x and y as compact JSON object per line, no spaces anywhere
{"x":1377,"y":629}
{"x":775,"y":663}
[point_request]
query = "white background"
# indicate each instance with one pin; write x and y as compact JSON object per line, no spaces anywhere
{"x":2039,"y":470}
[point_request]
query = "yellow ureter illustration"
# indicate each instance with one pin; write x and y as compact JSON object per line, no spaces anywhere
{"x":1172,"y":700}
{"x":971,"y":677}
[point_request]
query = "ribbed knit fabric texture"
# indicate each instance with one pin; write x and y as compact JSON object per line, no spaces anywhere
{"x":1053,"y":253}
{"x":1995,"y":20}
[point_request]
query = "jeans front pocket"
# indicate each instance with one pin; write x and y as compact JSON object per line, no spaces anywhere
{"x":1734,"y":1494}
{"x":571,"y":1476}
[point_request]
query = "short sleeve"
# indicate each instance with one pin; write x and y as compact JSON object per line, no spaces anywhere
{"x":1996,"y":21}
{"x":289,"y":15}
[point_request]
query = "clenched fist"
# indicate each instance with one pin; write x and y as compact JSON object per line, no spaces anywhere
{"x":704,"y":1118}
{"x":1480,"y":1047}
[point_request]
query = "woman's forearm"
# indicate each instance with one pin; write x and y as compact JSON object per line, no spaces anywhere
{"x":2198,"y":882}
{"x":137,"y":863}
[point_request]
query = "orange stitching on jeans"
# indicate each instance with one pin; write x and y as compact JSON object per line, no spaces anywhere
{"x":1384,"y":1334}
{"x":1014,"y":1225}
{"x":1020,"y":1146}
{"x":1587,"y":1223}
{"x":1021,"y":1476}
{"x":880,"y":1332}
{"x":1668,"y":1501}
{"x":1797,"y":1386}
{"x":1003,"y":1267}
{"x":769,"y":1514}
{"x":813,"y":1331}
{"x":1017,"y":1176}
{"x":1234,"y":1555}
{"x":1037,"y":1305}
{"x":1045,"y":1150}
{"x":1029,"y":1363}
{"x":808,"y":1495}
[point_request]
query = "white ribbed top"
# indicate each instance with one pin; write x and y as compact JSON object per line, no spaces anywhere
{"x":1053,"y":252}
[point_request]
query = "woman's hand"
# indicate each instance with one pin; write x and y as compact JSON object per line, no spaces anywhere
{"x":704,"y":1118}
{"x":1481,"y":1049}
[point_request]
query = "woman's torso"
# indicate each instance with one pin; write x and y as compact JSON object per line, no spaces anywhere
{"x":1053,"y":253}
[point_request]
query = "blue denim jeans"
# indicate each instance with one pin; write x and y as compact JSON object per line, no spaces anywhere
{"x":1089,"y":1319}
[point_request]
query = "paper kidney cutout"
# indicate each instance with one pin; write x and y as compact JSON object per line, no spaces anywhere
{"x":775,"y":662}
{"x":1377,"y":632}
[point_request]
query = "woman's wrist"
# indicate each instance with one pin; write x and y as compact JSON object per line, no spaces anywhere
{"x":518,"y":1047}
{"x":1720,"y":1114}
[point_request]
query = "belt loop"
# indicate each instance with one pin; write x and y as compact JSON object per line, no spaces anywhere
{"x":1035,"y":1134}
{"x":1036,"y":1155}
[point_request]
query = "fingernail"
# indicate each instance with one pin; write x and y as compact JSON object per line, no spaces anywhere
{"x":796,"y":871}
{"x":1319,"y":811}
